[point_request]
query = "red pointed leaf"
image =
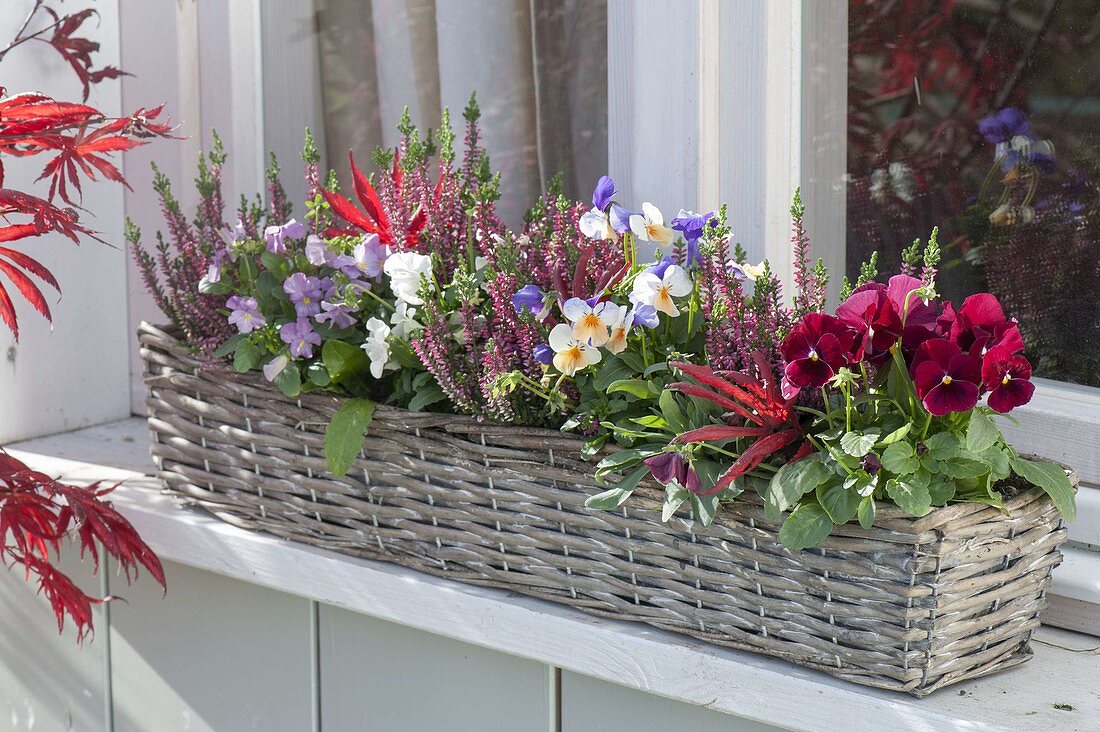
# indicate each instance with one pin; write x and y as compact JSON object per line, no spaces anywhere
{"x":31,"y":265}
{"x":719,"y":432}
{"x":346,"y":210}
{"x":715,"y":398}
{"x":753,"y":456}
{"x":27,"y":288}
{"x":368,"y":196}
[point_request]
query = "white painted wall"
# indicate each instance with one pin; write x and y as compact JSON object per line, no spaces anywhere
{"x":75,"y":374}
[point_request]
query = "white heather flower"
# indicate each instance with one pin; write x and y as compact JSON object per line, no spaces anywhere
{"x":403,"y":321}
{"x":571,"y":355}
{"x":406,"y":270}
{"x":591,"y":322}
{"x":650,"y":225}
{"x":649,"y":289}
{"x":377,"y":346}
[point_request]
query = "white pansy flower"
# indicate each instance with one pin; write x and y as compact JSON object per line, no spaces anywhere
{"x":617,"y":342}
{"x":406,"y":270}
{"x":747,"y":271}
{"x":403,"y":321}
{"x":570,"y":354}
{"x":274,"y":367}
{"x":591,"y":322}
{"x":377,"y":346}
{"x":649,"y":289}
{"x":596,"y":225}
{"x":650,"y":225}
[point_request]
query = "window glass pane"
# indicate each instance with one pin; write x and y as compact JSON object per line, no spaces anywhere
{"x":539,"y":68}
{"x":983,"y":117}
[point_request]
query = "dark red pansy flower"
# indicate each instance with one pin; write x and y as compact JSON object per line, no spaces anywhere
{"x":1006,"y":376}
{"x":815,"y":349}
{"x":912,"y":337}
{"x":911,"y":308}
{"x":870,"y":312}
{"x":667,"y":467}
{"x":946,"y":320}
{"x":977,"y":340}
{"x":947,"y":379}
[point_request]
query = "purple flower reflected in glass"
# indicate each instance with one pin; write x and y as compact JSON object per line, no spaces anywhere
{"x":305,"y":292}
{"x":1004,"y":125}
{"x":301,"y":338}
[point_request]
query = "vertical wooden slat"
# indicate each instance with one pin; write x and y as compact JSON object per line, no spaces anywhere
{"x":378,"y":675}
{"x":213,"y":654}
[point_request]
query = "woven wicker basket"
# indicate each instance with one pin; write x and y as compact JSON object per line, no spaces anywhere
{"x":910,"y":605}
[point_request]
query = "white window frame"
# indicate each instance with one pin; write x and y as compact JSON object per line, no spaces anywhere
{"x":739,"y":102}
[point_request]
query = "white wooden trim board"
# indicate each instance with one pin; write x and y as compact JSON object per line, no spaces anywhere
{"x":632,"y":655}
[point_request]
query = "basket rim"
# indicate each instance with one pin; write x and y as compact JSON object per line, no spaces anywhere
{"x":888,"y":515}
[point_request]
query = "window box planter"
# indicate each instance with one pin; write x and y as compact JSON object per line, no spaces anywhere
{"x":910,"y":605}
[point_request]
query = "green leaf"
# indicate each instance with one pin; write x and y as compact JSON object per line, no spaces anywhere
{"x":807,"y":525}
{"x":671,"y":411}
{"x":1052,"y":479}
{"x":623,"y":459}
{"x":229,"y":346}
{"x":942,"y":446}
{"x":344,"y":361}
{"x":981,"y":432}
{"x":652,"y":421}
{"x":897,"y":434}
{"x":612,"y":370}
{"x":426,"y":396}
{"x":344,"y":436}
{"x":858,"y":444}
{"x":246,"y":357}
{"x":900,"y":459}
{"x":795,"y":480}
{"x":674,"y":498}
{"x":289,"y":380}
{"x":961,"y":467}
{"x":866,"y":512}
{"x":839,"y":502}
{"x":616,"y":496}
{"x":317,"y":374}
{"x":941,"y":489}
{"x":709,"y":471}
{"x":704,"y":508}
{"x":911,"y":493}
{"x":638,"y":387}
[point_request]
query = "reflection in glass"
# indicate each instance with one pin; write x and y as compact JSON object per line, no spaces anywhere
{"x":981,"y":117}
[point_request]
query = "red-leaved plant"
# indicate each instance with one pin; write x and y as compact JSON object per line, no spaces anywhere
{"x":38,"y":512}
{"x":80,"y":139}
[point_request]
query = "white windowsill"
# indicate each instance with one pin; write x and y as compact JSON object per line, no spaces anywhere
{"x":634,"y":655}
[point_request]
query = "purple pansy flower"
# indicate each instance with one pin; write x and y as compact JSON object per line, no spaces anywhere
{"x":620,"y":218}
{"x":530,"y":298}
{"x":692,"y":225}
{"x":305,"y":292}
{"x":276,"y":236}
{"x":645,"y":315}
{"x":668,"y":467}
{"x":301,"y":338}
{"x":366,"y":259}
{"x":316,"y":251}
{"x":338,"y":314}
{"x":543,"y":353}
{"x":246,"y":313}
{"x":603,"y":193}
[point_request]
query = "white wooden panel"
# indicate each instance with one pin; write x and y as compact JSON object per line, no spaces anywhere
{"x":381,"y":676}
{"x":148,"y":33}
{"x":653,"y":103}
{"x":292,"y":88}
{"x":590,"y":705}
{"x":214,"y":654}
{"x":77,"y":374}
{"x":47,"y":681}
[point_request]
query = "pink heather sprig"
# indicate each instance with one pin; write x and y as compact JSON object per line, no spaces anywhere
{"x":440,"y":355}
{"x":809,"y":282}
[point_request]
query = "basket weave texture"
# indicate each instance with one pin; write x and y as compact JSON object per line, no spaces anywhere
{"x":910,"y":605}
